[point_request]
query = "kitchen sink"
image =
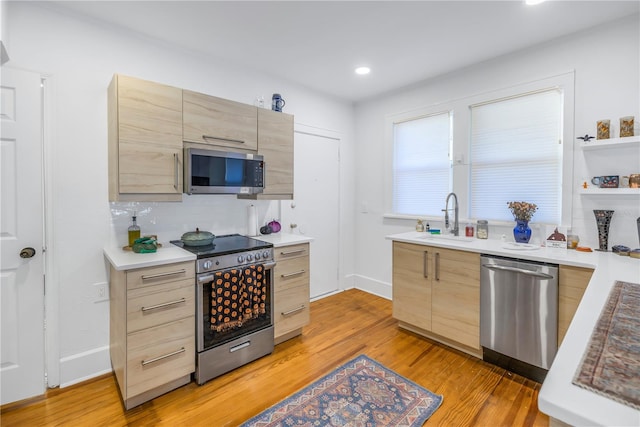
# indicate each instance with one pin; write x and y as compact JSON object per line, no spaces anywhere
{"x":436,"y":237}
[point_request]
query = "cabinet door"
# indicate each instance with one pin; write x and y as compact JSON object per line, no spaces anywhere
{"x":220,"y":122}
{"x":275,"y":143}
{"x":456,"y":296}
{"x":145,"y":140}
{"x":412,"y":270}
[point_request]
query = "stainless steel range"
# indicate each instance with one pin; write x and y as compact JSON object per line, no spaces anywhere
{"x":234,"y":301}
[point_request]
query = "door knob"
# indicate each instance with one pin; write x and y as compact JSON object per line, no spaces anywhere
{"x":27,"y":252}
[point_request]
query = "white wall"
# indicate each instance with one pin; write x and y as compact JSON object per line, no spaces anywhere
{"x":81,"y":57}
{"x":607,"y":85}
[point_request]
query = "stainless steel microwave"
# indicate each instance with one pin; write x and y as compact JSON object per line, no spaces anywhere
{"x":220,"y":172}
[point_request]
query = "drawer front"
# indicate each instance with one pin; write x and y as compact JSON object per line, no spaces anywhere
{"x":291,"y":273}
{"x":293,"y":251}
{"x":158,"y":355}
{"x":291,"y":309}
{"x":152,"y":276}
{"x":164,"y":303}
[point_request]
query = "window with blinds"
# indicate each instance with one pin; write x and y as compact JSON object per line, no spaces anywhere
{"x":516,"y":155}
{"x":421,"y":164}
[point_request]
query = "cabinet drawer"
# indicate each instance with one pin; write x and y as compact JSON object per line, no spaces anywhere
{"x":152,"y":276}
{"x":292,"y":272}
{"x":216,"y":121}
{"x":291,"y":309}
{"x":293,"y":251}
{"x":155,"y":305}
{"x":158,"y":355}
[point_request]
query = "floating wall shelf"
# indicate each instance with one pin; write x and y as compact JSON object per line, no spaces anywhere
{"x":598,"y":144}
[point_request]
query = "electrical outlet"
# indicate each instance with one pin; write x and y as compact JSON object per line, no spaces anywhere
{"x":101,"y":292}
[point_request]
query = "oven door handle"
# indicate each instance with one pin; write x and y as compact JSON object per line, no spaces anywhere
{"x":209,"y":277}
{"x":205,"y":279}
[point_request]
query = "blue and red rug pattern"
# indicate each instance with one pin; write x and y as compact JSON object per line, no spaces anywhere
{"x":360,"y":393}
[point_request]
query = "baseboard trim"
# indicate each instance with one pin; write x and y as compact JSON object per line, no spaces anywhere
{"x":373,"y":286}
{"x":84,"y":366}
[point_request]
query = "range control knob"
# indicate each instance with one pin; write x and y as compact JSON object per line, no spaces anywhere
{"x":265,"y":254}
{"x":257,"y":256}
{"x":240,"y":259}
{"x":249,"y":257}
{"x":207,"y":265}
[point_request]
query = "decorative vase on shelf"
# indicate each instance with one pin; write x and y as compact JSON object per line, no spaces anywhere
{"x":522,"y":231}
{"x":603,"y":220}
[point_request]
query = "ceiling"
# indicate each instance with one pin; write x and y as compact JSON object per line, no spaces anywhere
{"x":318,"y":44}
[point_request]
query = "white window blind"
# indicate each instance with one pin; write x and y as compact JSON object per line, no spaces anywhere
{"x":516,"y":155}
{"x":421,"y":165}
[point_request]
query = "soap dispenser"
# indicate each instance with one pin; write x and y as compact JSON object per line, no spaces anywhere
{"x":133,"y":231}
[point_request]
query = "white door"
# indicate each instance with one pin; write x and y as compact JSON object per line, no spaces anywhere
{"x":21,"y":278}
{"x":316,"y":196}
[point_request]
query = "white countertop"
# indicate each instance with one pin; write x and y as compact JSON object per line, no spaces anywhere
{"x":283,"y":239}
{"x":128,"y":260}
{"x":558,"y":397}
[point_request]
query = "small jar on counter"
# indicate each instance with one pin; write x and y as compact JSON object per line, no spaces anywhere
{"x":468,"y":230}
{"x":482,"y":229}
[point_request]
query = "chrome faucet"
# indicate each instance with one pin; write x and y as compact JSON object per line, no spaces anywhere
{"x":455,"y":231}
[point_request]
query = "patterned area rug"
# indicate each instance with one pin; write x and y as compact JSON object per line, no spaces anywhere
{"x":611,"y":364}
{"x":360,"y":393}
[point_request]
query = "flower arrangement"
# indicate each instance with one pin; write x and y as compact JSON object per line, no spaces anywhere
{"x":522,"y":211}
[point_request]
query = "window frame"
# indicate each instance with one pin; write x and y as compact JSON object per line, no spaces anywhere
{"x":460,"y":109}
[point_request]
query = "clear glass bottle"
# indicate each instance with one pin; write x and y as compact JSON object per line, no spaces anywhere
{"x":133,"y":231}
{"x":482,"y":229}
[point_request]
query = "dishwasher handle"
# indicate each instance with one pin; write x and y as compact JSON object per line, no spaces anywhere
{"x":518,"y":270}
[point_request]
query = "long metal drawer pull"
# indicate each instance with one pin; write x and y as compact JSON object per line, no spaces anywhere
{"x":438,"y":266}
{"x":518,"y":270}
{"x":297,"y":251}
{"x":295,"y":310}
{"x":425,"y":265}
{"x":166,"y":304}
{"x":222,"y":139}
{"x":159,"y":358}
{"x":175,"y":171}
{"x":155,"y":276}
{"x":295,"y":273}
{"x":240,"y":346}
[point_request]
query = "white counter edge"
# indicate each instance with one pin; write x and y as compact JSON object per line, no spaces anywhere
{"x":282,"y":239}
{"x":128,"y":260}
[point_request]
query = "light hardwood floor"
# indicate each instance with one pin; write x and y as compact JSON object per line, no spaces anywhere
{"x":342,"y":327}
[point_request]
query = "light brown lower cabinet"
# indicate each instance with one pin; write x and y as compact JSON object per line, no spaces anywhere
{"x":291,"y":291}
{"x":572,"y":282}
{"x":152,"y":330}
{"x":436,"y":292}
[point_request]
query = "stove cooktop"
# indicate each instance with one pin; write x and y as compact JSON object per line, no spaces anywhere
{"x":223,"y":245}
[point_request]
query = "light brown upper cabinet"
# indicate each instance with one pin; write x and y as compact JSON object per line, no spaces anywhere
{"x":145,"y":140}
{"x":275,"y":143}
{"x":219,"y":122}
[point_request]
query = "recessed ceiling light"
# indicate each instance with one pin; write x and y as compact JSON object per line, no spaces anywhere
{"x":363,"y":70}
{"x":533,"y":2}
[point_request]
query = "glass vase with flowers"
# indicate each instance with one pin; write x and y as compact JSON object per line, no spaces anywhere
{"x":522,"y":212}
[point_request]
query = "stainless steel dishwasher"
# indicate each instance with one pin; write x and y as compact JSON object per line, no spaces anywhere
{"x":519,"y":314}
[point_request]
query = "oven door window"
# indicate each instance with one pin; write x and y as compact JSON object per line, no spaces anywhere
{"x":235,"y":302}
